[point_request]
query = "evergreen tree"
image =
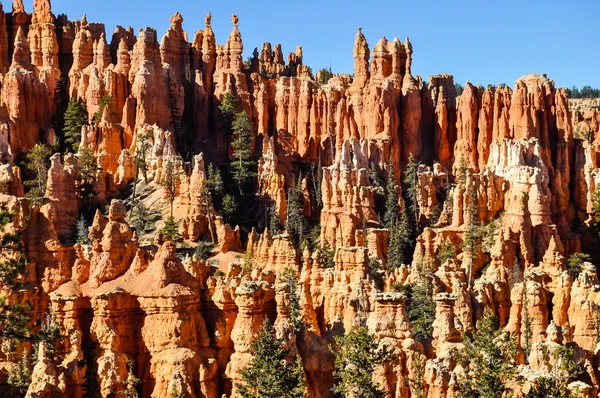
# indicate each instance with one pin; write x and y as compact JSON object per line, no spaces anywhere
{"x":170,"y":231}
{"x":214,"y":181}
{"x":324,"y":75}
{"x":143,"y":218}
{"x":488,"y":361}
{"x":596,"y":210}
{"x":242,"y":165}
{"x":290,"y":277}
{"x":376,"y":273}
{"x":327,"y":255}
{"x":274,"y":221}
{"x":396,"y":221}
{"x":106,"y":101}
{"x":76,"y":117}
{"x":142,"y":148}
{"x":204,"y":250}
{"x":176,"y":114}
{"x":89,"y":170}
{"x":316,"y":178}
{"x":357,"y":353}
{"x":462,"y":172}
{"x":295,"y":223}
{"x":228,"y":107}
{"x":16,"y":320}
{"x":446,"y":251}
{"x":556,"y":385}
{"x":131,"y":383}
{"x":229,"y":209}
{"x":411,"y":181}
{"x":575,"y":263}
{"x":82,"y":231}
{"x":392,"y":207}
{"x":416,"y":385}
{"x":176,"y":393}
{"x":375,"y":179}
{"x":212,"y":188}
{"x":58,"y":117}
{"x":269,"y":375}
{"x":91,"y":387}
{"x":472,"y":238}
{"x":420,"y":304}
{"x":19,"y":376}
{"x":38,"y":164}
{"x":170,"y":180}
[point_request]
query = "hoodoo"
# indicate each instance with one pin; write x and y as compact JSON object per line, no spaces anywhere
{"x":168,"y":210}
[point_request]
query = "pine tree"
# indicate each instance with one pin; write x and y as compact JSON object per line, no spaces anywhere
{"x":446,"y":251}
{"x":274,"y":220}
{"x":269,"y":375}
{"x":15,"y":319}
{"x":76,"y":117}
{"x":375,"y":179}
{"x":212,"y":188}
{"x":214,"y":181}
{"x":295,"y":223}
{"x":290,"y":277}
{"x":141,"y":166}
{"x":416,"y":385}
{"x":556,"y":385}
{"x":88,"y":171}
{"x":411,"y":181}
{"x":82,"y":231}
{"x":317,"y":180}
{"x":575,"y":263}
{"x":229,"y":209}
{"x":596,"y":210}
{"x":58,"y":117}
{"x":472,"y":239}
{"x":327,"y":255}
{"x":421,"y":311}
{"x":170,"y":231}
{"x":143,"y":219}
{"x":176,"y":115}
{"x":170,"y":180}
{"x":242,"y":165}
{"x":392,"y":207}
{"x":488,"y":361}
{"x":143,"y":146}
{"x":176,"y":393}
{"x":357,"y":353}
{"x":228,"y":107}
{"x":37,"y":163}
{"x":19,"y":376}
{"x":13,"y":261}
{"x":90,"y":386}
{"x":396,"y":221}
{"x":204,"y":250}
{"x":106,"y":101}
{"x":131,"y":383}
{"x":324,"y":75}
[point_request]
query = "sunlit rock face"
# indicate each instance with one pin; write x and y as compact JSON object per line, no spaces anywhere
{"x":519,"y":163}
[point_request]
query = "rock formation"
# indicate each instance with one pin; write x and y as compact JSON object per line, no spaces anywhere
{"x":519,"y":165}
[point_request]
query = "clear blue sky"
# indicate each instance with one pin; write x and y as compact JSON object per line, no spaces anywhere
{"x":483,"y":41}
